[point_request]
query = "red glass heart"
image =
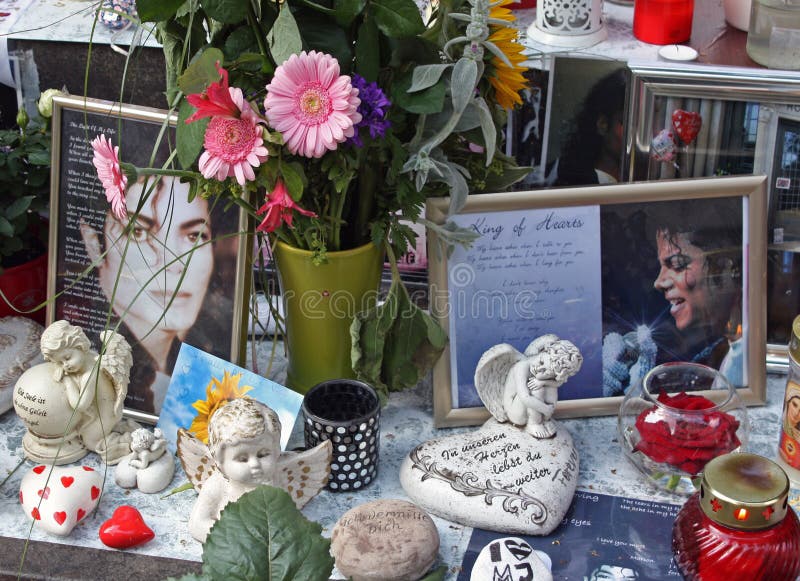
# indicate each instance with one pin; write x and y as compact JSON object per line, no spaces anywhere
{"x":125,"y":529}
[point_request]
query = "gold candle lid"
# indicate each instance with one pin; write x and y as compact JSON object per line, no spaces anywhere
{"x":794,"y":342}
{"x":744,"y":491}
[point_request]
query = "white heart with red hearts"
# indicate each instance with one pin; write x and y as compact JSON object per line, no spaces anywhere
{"x":59,"y":497}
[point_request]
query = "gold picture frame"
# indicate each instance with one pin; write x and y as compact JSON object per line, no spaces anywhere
{"x":101,"y":273}
{"x":468,"y":289}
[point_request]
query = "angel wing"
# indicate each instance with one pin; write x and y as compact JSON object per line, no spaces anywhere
{"x":490,"y":377}
{"x":304,"y":474}
{"x":195,"y":458}
{"x":116,"y":361}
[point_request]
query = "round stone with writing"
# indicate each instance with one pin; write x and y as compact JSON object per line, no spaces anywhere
{"x":41,"y":403}
{"x":385,"y":540}
{"x":19,"y":349}
{"x":498,"y":477}
{"x":511,"y":558}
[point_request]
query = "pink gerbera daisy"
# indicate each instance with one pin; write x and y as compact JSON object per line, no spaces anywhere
{"x":215,"y":101}
{"x":106,"y":161}
{"x":234,"y":145}
{"x":279,"y":206}
{"x":311,"y":104}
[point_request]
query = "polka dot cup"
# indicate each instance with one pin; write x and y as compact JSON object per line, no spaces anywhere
{"x":347,"y":412}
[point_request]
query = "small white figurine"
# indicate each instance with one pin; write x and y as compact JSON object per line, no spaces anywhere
{"x":523,"y":388}
{"x":148,"y":468}
{"x":76,"y":397}
{"x":244,"y":452}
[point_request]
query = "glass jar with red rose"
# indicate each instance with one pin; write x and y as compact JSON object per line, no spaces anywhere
{"x":678,"y":418}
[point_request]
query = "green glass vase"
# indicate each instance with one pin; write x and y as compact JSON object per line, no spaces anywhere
{"x":320,"y":302}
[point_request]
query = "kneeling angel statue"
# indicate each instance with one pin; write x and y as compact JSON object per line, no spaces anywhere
{"x":522,"y":388}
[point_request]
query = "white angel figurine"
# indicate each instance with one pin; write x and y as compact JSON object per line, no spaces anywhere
{"x":95,"y":384}
{"x":244,"y":452}
{"x":523,"y":388}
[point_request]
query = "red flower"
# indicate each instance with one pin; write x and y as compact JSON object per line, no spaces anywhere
{"x":279,"y":207}
{"x":686,"y":441}
{"x":215,"y":101}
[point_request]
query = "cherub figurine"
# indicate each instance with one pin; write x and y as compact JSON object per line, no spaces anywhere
{"x":244,"y":452}
{"x":95,"y":385}
{"x":523,"y":388}
{"x":148,"y":467}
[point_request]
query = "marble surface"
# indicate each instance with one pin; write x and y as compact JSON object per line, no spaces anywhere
{"x":73,"y":21}
{"x":406,"y":422}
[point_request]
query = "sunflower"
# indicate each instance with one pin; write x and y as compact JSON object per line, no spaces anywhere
{"x":507,"y":81}
{"x":218,"y":393}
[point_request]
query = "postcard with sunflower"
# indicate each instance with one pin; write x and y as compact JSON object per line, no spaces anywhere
{"x":201,"y":383}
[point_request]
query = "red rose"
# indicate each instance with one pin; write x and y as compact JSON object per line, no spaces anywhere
{"x":686,"y":441}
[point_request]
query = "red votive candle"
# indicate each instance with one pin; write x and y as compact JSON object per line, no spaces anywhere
{"x":663,"y":21}
{"x":738,"y":526}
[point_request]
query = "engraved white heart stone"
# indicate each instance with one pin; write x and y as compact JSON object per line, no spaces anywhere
{"x":58,"y":498}
{"x":498,"y":478}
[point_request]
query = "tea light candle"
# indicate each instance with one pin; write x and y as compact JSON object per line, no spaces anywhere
{"x":677,"y":52}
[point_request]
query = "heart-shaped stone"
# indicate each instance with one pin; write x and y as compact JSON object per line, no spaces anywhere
{"x":19,"y":349}
{"x":125,"y":529}
{"x":59,"y":498}
{"x":687,"y":125}
{"x":498,"y":477}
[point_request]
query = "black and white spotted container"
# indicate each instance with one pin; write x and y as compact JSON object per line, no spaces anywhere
{"x":347,"y":412}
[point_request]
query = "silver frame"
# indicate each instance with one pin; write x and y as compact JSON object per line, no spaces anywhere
{"x":653,"y":80}
{"x":751,"y":187}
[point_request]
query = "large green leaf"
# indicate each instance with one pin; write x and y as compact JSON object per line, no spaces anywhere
{"x":425,"y":76}
{"x":202,"y":72}
{"x":345,"y":11}
{"x":157,"y":10}
{"x":429,"y":101}
{"x":18,"y":207}
{"x":368,"y":50}
{"x":189,"y":135}
{"x":462,"y":83}
{"x":264,"y":536}
{"x":284,"y":37}
{"x":397,"y":18}
{"x":6,"y":229}
{"x":321,"y":34}
{"x":395,"y":344}
{"x":227,"y":11}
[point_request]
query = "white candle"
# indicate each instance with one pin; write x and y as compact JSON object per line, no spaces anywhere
{"x":677,"y":52}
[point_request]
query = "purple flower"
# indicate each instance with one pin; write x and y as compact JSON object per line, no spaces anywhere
{"x":374,"y":107}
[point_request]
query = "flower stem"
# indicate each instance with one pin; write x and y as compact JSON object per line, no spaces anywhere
{"x":673,"y":481}
{"x":253,"y":21}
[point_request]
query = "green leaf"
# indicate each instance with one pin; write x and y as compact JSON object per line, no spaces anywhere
{"x":157,"y":10}
{"x":284,"y":37}
{"x":368,"y":50}
{"x":462,"y":83}
{"x":321,"y":34}
{"x":395,"y":344}
{"x":426,"y":76}
{"x":6,"y":229}
{"x":202,"y":72}
{"x":227,"y":11}
{"x":39,"y":158}
{"x":397,"y":18}
{"x":189,"y":135}
{"x":437,"y":575}
{"x":345,"y":11}
{"x":488,"y":128}
{"x":18,"y":207}
{"x":424,"y":102}
{"x":264,"y":536}
{"x":293,"y":179}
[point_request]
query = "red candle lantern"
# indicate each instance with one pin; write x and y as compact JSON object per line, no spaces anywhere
{"x":739,"y":525}
{"x":663,"y":21}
